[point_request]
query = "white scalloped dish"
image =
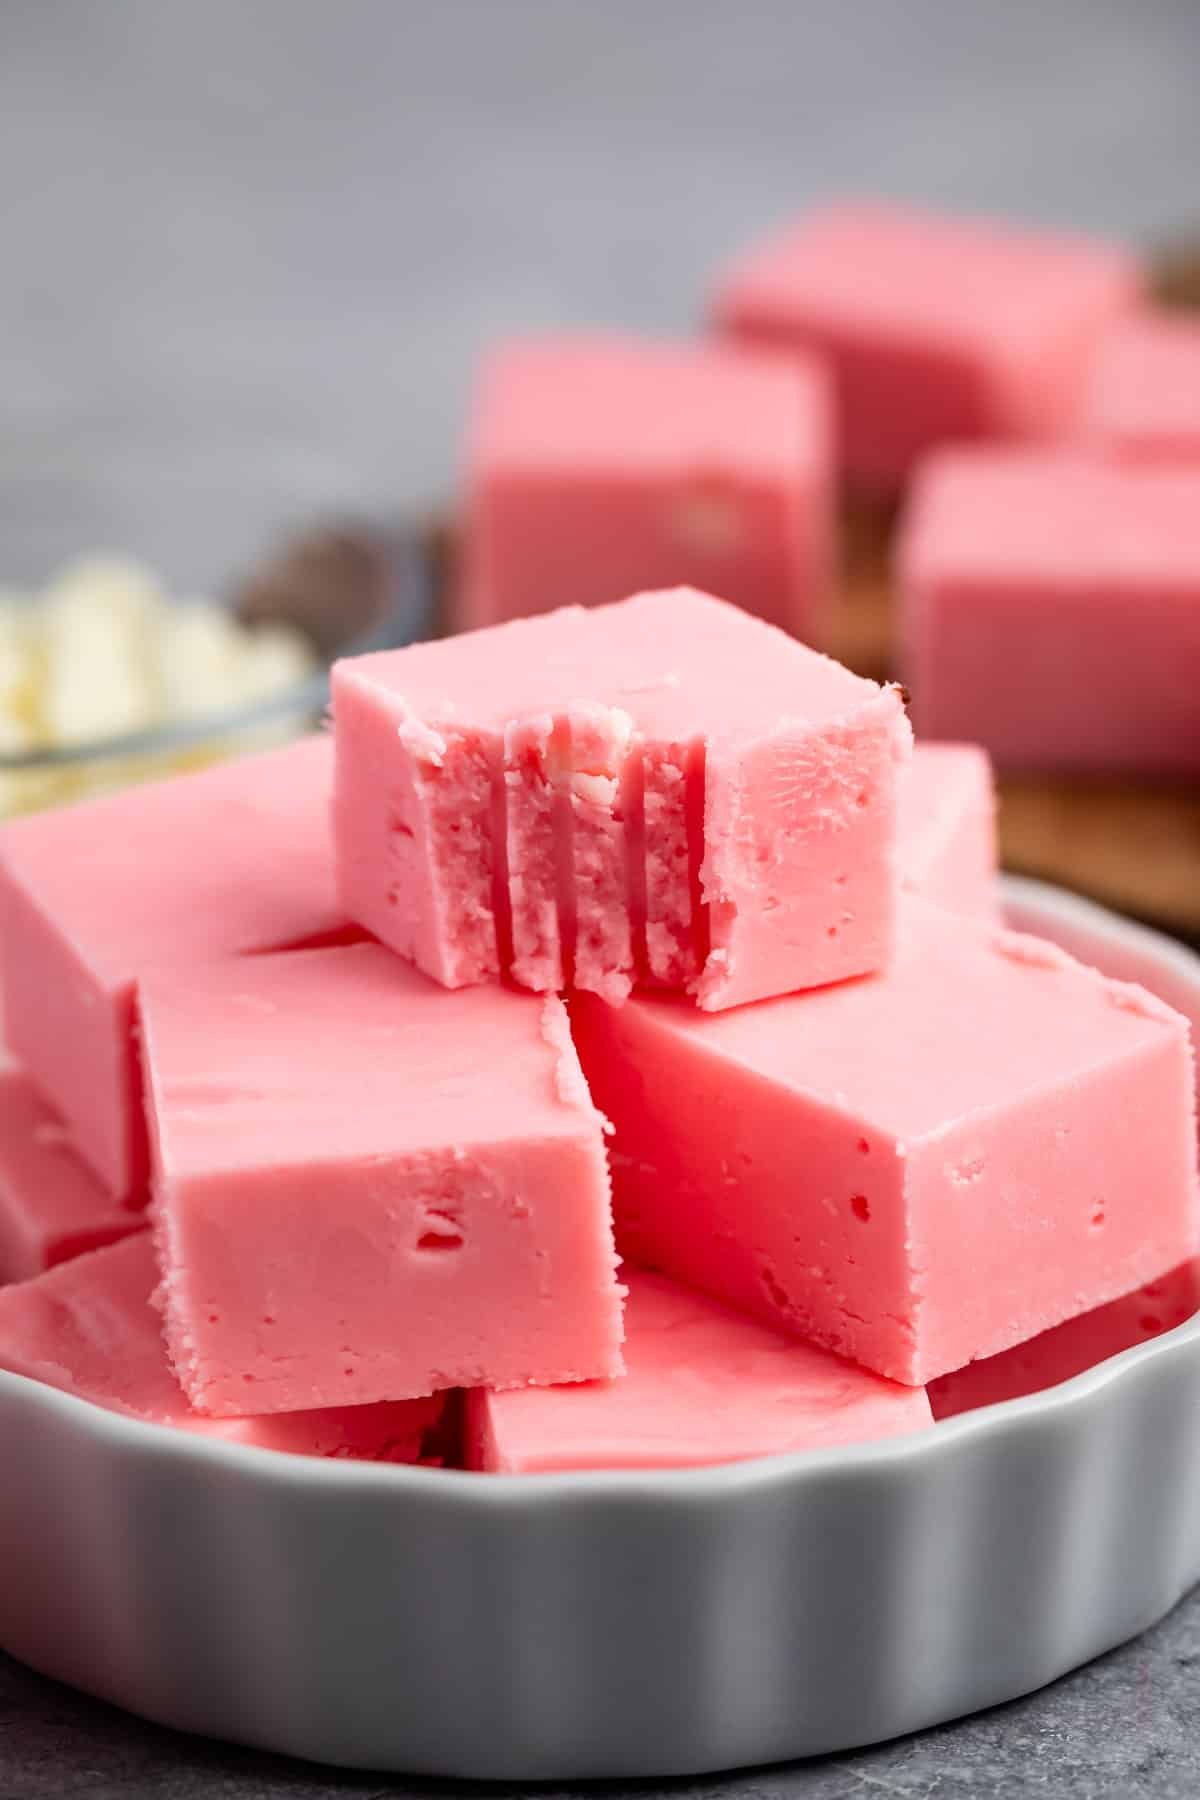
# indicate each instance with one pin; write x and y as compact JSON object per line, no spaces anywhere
{"x":631,"y":1624}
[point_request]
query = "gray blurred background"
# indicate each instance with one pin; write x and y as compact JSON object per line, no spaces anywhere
{"x":250,"y":248}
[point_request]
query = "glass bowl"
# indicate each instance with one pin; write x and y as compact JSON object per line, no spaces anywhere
{"x":348,"y":587}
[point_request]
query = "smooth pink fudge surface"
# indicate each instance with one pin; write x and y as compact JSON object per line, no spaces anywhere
{"x":90,"y":1328}
{"x":1135,"y":953}
{"x":935,"y":327}
{"x":229,"y":860}
{"x":599,"y":466}
{"x":1051,"y":609}
{"x":1070,"y":1348}
{"x":664,"y":792}
{"x":703,"y":1385}
{"x":368,"y":1189}
{"x":1142,"y":401}
{"x":914,"y":1169}
{"x":948,"y":828}
{"x":51,"y":1205}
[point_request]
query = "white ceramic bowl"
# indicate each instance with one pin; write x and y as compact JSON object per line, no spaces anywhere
{"x":558,"y":1627}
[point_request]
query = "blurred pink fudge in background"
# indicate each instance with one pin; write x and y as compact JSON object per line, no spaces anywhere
{"x":1050,"y":608}
{"x":936,"y":328}
{"x":599,"y":466}
{"x":703,"y":1385}
{"x":666,"y":791}
{"x":948,"y":828}
{"x":1142,"y":401}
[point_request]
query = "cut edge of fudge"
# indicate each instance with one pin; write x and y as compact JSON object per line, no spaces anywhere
{"x":873,"y":746}
{"x":566,"y":847}
{"x":90,"y":1329}
{"x":520,"y":1179}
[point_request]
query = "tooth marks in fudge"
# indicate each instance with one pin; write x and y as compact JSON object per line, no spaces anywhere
{"x":670,"y":944}
{"x":633,"y":808}
{"x":532,"y":855}
{"x":459,"y":797}
{"x":693,"y":789}
{"x":593,"y":778}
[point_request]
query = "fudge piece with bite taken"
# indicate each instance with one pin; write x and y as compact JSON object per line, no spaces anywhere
{"x":662,"y":792}
{"x":90,"y":1328}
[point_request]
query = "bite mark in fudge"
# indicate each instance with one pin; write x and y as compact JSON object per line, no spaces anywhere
{"x":664,"y":790}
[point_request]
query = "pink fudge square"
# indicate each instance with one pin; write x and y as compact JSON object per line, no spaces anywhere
{"x":232,"y":859}
{"x":1051,"y":610}
{"x":1142,"y":400}
{"x":935,"y":327}
{"x":1134,"y":954}
{"x":367,"y":1189}
{"x":600,"y":466}
{"x":948,"y":828}
{"x":51,"y":1205}
{"x":703,"y":1385}
{"x":664,"y":791}
{"x":1070,"y":1348}
{"x":915,"y":1169}
{"x":90,"y":1329}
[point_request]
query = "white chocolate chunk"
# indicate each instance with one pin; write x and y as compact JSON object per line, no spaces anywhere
{"x":98,"y":624}
{"x":103,"y":652}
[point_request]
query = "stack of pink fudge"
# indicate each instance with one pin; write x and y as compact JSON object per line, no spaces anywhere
{"x":348,"y":1073}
